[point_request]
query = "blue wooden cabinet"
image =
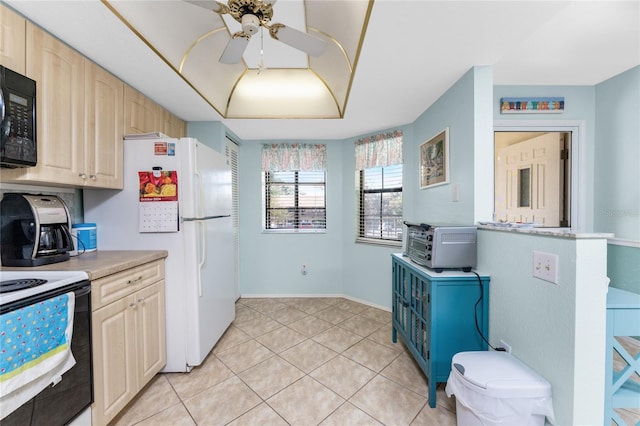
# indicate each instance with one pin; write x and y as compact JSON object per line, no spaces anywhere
{"x":436,"y":314}
{"x":623,"y":319}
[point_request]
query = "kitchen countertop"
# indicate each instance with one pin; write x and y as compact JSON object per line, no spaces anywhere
{"x":100,"y":263}
{"x":551,"y":232}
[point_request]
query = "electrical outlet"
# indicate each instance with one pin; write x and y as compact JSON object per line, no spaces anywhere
{"x":545,"y":266}
{"x":505,"y":345}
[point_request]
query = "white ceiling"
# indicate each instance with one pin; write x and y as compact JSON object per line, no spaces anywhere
{"x":413,"y":52}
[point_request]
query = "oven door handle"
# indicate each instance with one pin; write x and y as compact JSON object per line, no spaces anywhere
{"x":86,"y":289}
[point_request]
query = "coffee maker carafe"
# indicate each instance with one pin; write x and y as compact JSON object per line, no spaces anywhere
{"x":34,"y":230}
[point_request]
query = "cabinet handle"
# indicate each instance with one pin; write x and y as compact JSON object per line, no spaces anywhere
{"x":134,"y":280}
{"x":141,"y":300}
{"x":93,"y":177}
{"x":132,"y":305}
{"x":82,"y":175}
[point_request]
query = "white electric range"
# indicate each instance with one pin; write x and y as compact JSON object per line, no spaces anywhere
{"x":17,"y":285}
{"x":21,"y":289}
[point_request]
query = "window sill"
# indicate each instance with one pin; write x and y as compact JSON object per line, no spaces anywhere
{"x":294,"y":231}
{"x":381,"y":243}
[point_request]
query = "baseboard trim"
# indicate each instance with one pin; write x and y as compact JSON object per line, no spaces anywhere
{"x":312,"y":296}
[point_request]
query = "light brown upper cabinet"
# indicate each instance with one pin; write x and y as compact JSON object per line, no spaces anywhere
{"x":79,"y":108}
{"x":141,"y":114}
{"x":172,"y":125}
{"x":12,"y":40}
{"x":59,"y":74}
{"x":82,"y":111}
{"x":104,"y":126}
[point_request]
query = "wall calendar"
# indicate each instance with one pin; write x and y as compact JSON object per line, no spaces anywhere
{"x":158,"y":204}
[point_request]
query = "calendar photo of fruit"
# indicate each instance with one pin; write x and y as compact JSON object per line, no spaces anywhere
{"x":158,"y":185}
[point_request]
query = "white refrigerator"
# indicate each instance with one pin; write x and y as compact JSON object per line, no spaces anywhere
{"x":191,"y":220}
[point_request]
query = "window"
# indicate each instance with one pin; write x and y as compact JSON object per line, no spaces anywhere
{"x":381,"y":203}
{"x":295,"y":200}
{"x":294,"y":177}
{"x":379,"y":188}
{"x":524,"y":187}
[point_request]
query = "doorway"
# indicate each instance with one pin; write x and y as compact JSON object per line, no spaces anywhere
{"x":532,"y":181}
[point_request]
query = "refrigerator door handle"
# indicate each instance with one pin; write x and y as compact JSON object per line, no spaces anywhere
{"x":197,"y":181}
{"x":193,"y":219}
{"x":203,"y":253}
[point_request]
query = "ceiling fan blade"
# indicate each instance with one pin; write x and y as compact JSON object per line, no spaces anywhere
{"x":213,"y":5}
{"x":309,"y":44}
{"x":235,"y":49}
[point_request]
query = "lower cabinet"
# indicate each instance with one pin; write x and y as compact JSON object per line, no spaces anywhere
{"x":438,"y":315}
{"x":128,"y":336}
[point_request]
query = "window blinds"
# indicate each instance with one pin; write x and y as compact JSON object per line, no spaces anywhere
{"x":294,"y":185}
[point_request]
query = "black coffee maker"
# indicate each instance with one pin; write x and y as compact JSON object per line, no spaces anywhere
{"x":34,"y":230}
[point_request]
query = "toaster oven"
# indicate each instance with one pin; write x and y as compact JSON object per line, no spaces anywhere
{"x":440,"y":247}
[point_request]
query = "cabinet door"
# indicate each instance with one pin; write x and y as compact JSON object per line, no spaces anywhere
{"x":172,"y":125}
{"x":104,"y":118}
{"x":140,"y":113}
{"x":114,"y":358}
{"x":59,"y":74}
{"x":12,"y":40}
{"x":151,"y":331}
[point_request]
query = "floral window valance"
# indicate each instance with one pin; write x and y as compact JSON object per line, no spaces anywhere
{"x":380,"y":150}
{"x":284,"y":157}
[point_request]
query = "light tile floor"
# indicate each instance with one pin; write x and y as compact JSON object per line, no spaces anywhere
{"x":297,"y":361}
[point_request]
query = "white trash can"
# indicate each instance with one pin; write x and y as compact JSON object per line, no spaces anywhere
{"x":495,"y":388}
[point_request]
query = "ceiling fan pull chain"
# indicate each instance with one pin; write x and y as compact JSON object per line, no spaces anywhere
{"x":261,"y":64}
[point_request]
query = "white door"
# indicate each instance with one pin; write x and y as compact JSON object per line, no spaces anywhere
{"x":527,"y":176}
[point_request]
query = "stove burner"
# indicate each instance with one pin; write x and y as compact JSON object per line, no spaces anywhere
{"x":19,"y":284}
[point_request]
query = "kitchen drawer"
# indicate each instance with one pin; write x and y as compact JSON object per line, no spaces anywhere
{"x":121,"y":284}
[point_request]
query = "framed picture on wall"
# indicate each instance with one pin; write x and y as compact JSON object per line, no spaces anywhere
{"x":434,"y":160}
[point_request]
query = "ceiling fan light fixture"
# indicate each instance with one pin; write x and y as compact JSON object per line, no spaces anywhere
{"x":250,"y":24}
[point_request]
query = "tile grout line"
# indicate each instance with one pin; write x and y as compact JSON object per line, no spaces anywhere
{"x":255,"y":307}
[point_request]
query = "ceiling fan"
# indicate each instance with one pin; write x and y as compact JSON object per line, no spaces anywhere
{"x":255,"y":13}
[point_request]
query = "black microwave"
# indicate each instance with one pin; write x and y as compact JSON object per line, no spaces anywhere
{"x":18,"y":146}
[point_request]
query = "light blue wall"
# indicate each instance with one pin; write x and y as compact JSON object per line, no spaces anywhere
{"x":617,"y":175}
{"x":210,"y":133}
{"x":611,"y":152}
{"x":623,"y":267}
{"x":270,"y":264}
{"x":617,"y":149}
{"x":556,"y":329}
{"x":367,"y":269}
{"x":466,"y":110}
{"x":579,"y":107}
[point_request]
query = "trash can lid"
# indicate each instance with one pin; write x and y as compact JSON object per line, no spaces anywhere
{"x":499,"y":373}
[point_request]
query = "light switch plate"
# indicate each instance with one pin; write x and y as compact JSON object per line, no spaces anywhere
{"x":545,"y":266}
